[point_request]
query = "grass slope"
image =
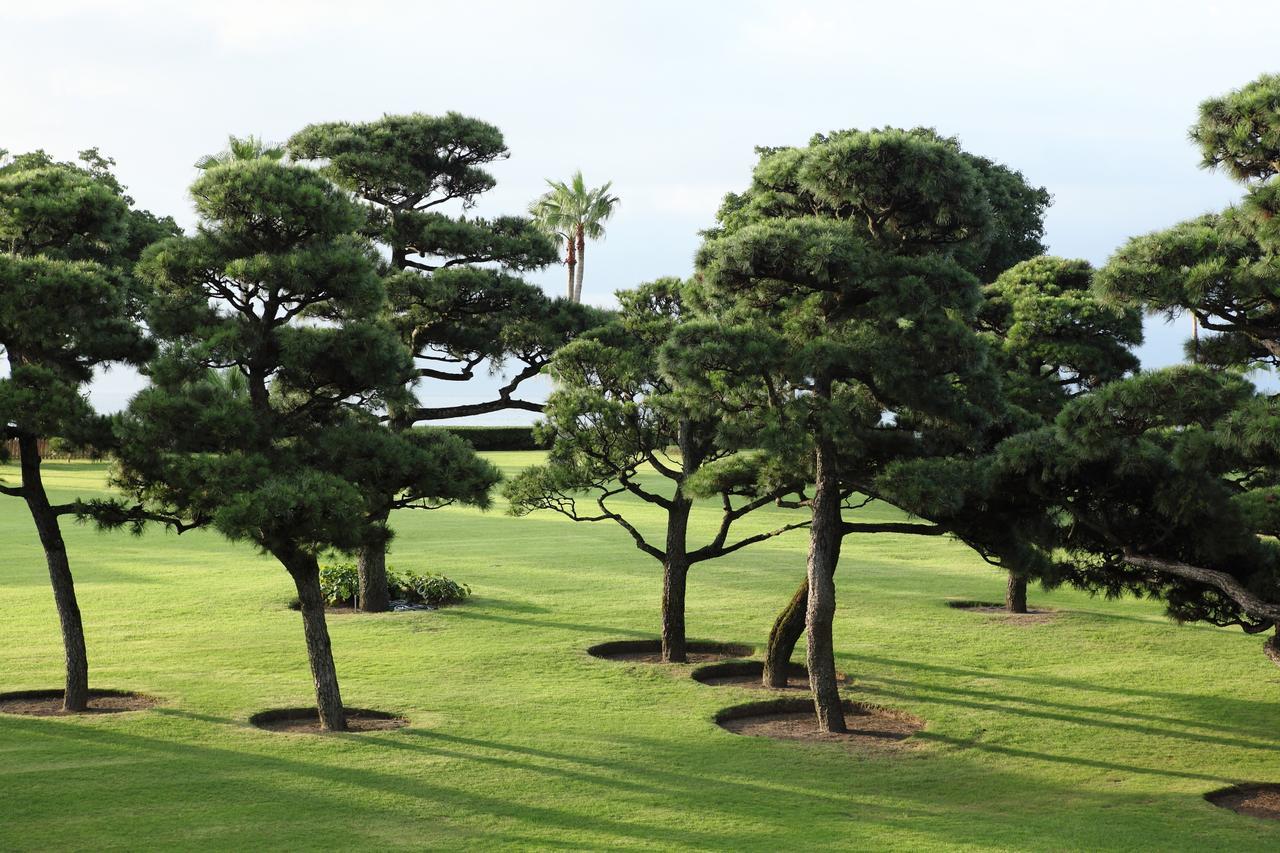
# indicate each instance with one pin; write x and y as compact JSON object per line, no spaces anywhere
{"x":1101,"y":731}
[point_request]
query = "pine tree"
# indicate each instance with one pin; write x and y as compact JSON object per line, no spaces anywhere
{"x":68,"y":305}
{"x":454,"y":293}
{"x":849,"y":315}
{"x":614,"y":418}
{"x":276,"y":285}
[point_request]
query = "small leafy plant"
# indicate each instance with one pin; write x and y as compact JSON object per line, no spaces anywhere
{"x":340,"y":583}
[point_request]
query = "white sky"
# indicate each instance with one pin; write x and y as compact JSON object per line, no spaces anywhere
{"x":666,"y":99}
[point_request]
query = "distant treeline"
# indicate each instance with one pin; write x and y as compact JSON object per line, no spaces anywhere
{"x":497,"y":437}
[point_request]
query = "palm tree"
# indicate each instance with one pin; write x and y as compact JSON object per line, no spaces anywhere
{"x":570,"y":213}
{"x":242,"y":148}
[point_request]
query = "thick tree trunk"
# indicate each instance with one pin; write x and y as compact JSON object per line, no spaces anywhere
{"x":582,"y":256}
{"x":1015,"y":596}
{"x":374,"y":595}
{"x":787,"y":630}
{"x":675,"y":572}
{"x":824,"y":553}
{"x":76,"y":692}
{"x":306,"y":577}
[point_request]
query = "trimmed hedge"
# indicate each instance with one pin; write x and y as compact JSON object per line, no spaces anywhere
{"x":497,"y":437}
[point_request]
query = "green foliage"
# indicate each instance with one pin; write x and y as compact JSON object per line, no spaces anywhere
{"x":340,"y":583}
{"x":68,"y":304}
{"x":276,"y":286}
{"x":452,"y":296}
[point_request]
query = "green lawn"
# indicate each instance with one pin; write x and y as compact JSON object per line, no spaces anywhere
{"x":1100,"y":731}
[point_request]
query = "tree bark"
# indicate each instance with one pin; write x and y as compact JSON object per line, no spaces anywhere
{"x":824,"y":553}
{"x":1015,"y":596}
{"x":306,"y":577}
{"x":571,"y":261}
{"x":675,"y":573}
{"x":75,"y":695}
{"x":374,"y":595}
{"x":787,"y":630}
{"x":582,"y":256}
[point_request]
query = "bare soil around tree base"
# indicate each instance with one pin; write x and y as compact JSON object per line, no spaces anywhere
{"x":650,"y":651}
{"x":871,"y":728}
{"x":1261,"y":800}
{"x":48,"y":703}
{"x":1033,"y":616}
{"x":307,"y":721}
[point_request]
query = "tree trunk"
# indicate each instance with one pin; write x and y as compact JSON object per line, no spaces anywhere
{"x":787,"y":630}
{"x":824,"y":553}
{"x":582,"y":256}
{"x":374,"y":595}
{"x":1015,"y":596}
{"x":306,"y":577}
{"x":674,"y":575}
{"x":571,"y":261}
{"x":75,"y":696}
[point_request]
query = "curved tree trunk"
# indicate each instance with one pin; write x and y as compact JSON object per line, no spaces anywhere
{"x":1015,"y":595}
{"x":76,"y":691}
{"x":306,"y":577}
{"x":824,"y":553}
{"x":787,"y":630}
{"x":582,"y":255}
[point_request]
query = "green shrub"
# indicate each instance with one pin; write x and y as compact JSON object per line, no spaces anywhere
{"x":433,"y":589}
{"x":339,"y":583}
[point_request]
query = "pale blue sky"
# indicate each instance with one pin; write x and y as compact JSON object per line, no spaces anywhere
{"x":666,"y":99}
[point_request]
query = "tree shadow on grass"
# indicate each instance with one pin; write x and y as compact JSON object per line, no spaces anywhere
{"x":1213,"y":706}
{"x":737,"y":793}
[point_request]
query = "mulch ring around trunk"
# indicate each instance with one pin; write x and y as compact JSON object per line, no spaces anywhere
{"x":871,"y":728}
{"x":307,"y":721}
{"x":750,"y":674}
{"x":650,"y":651}
{"x":48,"y":703}
{"x":1033,"y":616}
{"x":1260,"y":800}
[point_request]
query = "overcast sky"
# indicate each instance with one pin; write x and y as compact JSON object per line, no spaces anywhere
{"x":666,"y":99}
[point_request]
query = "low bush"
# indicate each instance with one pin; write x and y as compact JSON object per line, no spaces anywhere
{"x":340,"y":582}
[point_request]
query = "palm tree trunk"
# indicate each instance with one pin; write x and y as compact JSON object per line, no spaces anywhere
{"x":571,"y":261}
{"x":75,"y":695}
{"x":582,"y":254}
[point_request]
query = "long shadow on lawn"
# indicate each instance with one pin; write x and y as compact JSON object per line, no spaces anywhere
{"x":1214,"y":705}
{"x":1083,"y":715}
{"x":745,"y":813}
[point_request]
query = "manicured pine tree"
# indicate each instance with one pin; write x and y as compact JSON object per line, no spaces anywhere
{"x":1168,"y":483}
{"x":1053,"y":339}
{"x":616,"y":425}
{"x":68,"y":306}
{"x":454,"y":293}
{"x":838,"y":272}
{"x":276,"y":285}
{"x":1013,"y":233}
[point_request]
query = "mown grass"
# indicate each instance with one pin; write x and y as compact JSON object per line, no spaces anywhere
{"x":1101,"y":730}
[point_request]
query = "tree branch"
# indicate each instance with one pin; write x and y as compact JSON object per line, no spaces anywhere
{"x":1221,"y":581}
